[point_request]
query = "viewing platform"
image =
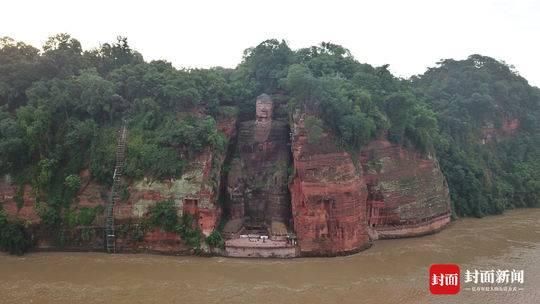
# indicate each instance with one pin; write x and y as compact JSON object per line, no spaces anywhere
{"x":249,"y":240}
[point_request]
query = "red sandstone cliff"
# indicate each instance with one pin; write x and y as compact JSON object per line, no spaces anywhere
{"x":408,"y":194}
{"x":327,"y":196}
{"x":393,"y":192}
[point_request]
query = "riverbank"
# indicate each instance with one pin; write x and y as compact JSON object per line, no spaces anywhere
{"x":166,"y":243}
{"x":392,"y":271}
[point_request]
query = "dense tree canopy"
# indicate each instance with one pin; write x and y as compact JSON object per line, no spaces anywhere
{"x":60,"y":107}
{"x":471,"y":97}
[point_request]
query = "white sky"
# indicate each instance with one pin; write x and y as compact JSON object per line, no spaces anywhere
{"x":410,"y":35}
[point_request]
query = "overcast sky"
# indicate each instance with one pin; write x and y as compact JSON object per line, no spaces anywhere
{"x":410,"y":35}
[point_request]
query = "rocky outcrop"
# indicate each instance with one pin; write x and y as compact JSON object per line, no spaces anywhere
{"x":408,"y":194}
{"x":327,"y":196}
{"x":391,"y":192}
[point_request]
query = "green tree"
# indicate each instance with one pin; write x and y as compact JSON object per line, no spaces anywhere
{"x":62,"y":55}
{"x":267,"y":63}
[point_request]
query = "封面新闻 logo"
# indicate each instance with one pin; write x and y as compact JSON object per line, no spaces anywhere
{"x":444,"y":279}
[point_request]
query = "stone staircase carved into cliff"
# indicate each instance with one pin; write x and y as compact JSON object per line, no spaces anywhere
{"x":110,"y":236}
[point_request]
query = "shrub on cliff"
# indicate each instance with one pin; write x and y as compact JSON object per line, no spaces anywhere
{"x":14,"y":237}
{"x":84,"y":217}
{"x":50,"y":215}
{"x":314,"y":129}
{"x":163,"y":215}
{"x":72,"y":185}
{"x":190,"y":233}
{"x":215,"y":240}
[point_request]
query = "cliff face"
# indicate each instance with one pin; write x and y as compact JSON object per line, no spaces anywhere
{"x":195,"y":192}
{"x":327,"y":196}
{"x":87,"y":237}
{"x":408,"y":194}
{"x":392,"y":192}
{"x":339,"y":202}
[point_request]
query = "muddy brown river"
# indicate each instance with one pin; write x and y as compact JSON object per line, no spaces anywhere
{"x":392,"y":271}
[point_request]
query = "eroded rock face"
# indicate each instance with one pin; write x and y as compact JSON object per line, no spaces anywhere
{"x":408,"y":194}
{"x":392,"y":192}
{"x":328,"y":196}
{"x":195,"y":192}
{"x":257,"y":180}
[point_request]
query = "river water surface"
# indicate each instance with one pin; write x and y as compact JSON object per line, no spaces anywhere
{"x":392,"y":271}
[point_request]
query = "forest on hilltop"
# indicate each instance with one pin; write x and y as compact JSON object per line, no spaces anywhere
{"x":60,"y":107}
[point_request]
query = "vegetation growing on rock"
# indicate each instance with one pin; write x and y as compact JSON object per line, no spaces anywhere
{"x":489,"y":140}
{"x":164,"y":215}
{"x":60,"y":107}
{"x":14,"y":237}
